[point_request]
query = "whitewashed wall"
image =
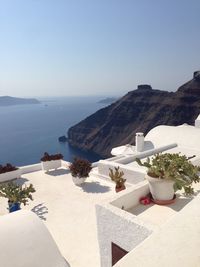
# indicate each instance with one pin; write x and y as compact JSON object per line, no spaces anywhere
{"x":118,"y":226}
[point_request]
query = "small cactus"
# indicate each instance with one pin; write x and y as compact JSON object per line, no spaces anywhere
{"x":117,"y":176}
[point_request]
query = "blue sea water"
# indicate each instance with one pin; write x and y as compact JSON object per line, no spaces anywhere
{"x":27,"y":131}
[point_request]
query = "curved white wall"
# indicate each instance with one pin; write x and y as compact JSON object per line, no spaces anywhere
{"x":26,"y":242}
{"x":183,"y":135}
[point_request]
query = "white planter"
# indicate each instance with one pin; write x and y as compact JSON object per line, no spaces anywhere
{"x":50,"y":165}
{"x":78,"y":181}
{"x":161,"y":189}
{"x":10,"y":175}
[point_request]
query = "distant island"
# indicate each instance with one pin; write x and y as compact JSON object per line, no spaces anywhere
{"x":108,"y":100}
{"x":10,"y":101}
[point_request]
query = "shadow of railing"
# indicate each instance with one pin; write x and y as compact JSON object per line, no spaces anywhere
{"x":40,"y":210}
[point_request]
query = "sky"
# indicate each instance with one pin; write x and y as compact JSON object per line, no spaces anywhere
{"x":96,"y":47}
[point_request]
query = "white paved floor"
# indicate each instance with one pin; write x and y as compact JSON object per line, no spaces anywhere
{"x":68,"y":212}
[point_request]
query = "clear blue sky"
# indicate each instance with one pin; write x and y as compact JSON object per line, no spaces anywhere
{"x":104,"y":47}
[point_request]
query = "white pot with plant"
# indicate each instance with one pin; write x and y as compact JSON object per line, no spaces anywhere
{"x":167,"y":173}
{"x":50,"y":162}
{"x":80,"y":169}
{"x":9,"y":172}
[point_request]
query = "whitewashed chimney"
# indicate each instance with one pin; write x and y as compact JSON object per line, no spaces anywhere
{"x":197,"y":122}
{"x":139,"y":142}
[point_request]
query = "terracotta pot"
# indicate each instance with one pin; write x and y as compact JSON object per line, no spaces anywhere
{"x":164,"y":202}
{"x":118,"y":189}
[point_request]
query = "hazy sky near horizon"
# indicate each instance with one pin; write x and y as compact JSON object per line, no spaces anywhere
{"x":96,"y":47}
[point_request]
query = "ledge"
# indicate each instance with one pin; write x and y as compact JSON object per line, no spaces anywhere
{"x":176,"y":242}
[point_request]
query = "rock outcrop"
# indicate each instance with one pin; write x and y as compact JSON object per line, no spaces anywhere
{"x":138,"y":111}
{"x":62,"y":139}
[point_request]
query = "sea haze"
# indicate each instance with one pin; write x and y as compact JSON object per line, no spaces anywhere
{"x":27,"y":131}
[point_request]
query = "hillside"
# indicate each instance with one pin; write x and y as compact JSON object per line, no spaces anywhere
{"x":9,"y":101}
{"x":139,"y":110}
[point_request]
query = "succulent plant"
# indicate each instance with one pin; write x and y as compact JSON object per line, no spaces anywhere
{"x":117,"y":176}
{"x":174,"y":167}
{"x":17,"y":193}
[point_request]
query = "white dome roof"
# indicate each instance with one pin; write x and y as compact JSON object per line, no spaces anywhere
{"x":26,"y":242}
{"x":183,"y":135}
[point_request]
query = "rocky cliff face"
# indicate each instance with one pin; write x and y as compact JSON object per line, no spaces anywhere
{"x":138,"y":111}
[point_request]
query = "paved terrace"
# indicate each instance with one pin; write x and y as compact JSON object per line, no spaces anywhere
{"x":68,"y":211}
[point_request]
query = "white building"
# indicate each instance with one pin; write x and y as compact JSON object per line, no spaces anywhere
{"x":93,"y":226}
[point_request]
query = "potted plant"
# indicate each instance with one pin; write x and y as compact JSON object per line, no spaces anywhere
{"x":80,"y":169}
{"x":16,"y":194}
{"x":167,"y":173}
{"x":117,"y":176}
{"x":51,"y":161}
{"x":8,"y":172}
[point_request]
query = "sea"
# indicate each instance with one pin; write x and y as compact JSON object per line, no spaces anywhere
{"x":27,"y":131}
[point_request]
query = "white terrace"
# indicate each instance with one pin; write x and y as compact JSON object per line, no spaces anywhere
{"x":68,"y":211}
{"x":88,"y":222}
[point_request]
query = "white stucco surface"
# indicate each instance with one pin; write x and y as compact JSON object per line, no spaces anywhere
{"x":123,"y":150}
{"x":68,"y":211}
{"x":183,"y":135}
{"x":10,"y":175}
{"x":158,"y":215}
{"x":117,"y":226}
{"x":197,"y":122}
{"x":26,"y":242}
{"x":174,"y":244}
{"x":155,"y":235}
{"x":133,"y":222}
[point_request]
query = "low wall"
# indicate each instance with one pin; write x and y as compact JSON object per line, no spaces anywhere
{"x":115,"y":225}
{"x":31,"y":168}
{"x":131,"y":197}
{"x":65,"y":164}
{"x":148,"y":153}
{"x":133,"y":175}
{"x":38,"y":167}
{"x":175,"y":243}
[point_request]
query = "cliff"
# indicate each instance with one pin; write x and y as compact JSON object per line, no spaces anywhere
{"x":9,"y":101}
{"x":138,"y":111}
